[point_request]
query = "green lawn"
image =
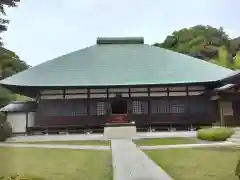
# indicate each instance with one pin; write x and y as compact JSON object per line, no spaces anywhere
{"x":198,"y":164}
{"x":165,"y":141}
{"x":91,"y":142}
{"x":57,"y":164}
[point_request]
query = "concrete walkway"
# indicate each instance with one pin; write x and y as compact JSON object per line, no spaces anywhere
{"x":82,"y":137}
{"x":130,"y":163}
{"x":216,"y":144}
{"x":56,"y":146}
{"x":62,"y":137}
{"x":101,"y":147}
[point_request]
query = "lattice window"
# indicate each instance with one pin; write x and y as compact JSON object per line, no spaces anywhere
{"x":159,"y":106}
{"x":101,"y":110}
{"x":177,"y":108}
{"x":98,"y":108}
{"x":139,"y":107}
{"x":163,"y":106}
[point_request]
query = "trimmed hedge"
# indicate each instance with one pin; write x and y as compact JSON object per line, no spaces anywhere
{"x":5,"y":131}
{"x":215,"y":134}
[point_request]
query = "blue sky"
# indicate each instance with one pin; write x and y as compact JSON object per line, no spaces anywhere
{"x":41,"y":30}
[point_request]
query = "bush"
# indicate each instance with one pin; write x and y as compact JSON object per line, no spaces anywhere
{"x":215,"y":134}
{"x":5,"y":131}
{"x":19,"y":177}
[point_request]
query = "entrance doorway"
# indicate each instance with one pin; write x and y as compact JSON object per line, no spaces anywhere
{"x":119,"y":106}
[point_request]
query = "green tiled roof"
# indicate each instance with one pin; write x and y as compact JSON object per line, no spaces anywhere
{"x":109,"y":64}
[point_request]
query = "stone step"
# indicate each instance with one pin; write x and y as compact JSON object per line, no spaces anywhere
{"x":234,"y":140}
{"x":236,"y":136}
{"x":122,"y":132}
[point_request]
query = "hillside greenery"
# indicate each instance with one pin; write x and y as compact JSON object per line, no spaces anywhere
{"x":207,"y":43}
{"x":10,"y":63}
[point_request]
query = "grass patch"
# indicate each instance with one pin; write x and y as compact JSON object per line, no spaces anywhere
{"x":198,"y":164}
{"x":165,"y":141}
{"x":56,"y":164}
{"x":215,"y":134}
{"x":91,"y":142}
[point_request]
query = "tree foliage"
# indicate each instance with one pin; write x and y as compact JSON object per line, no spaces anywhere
{"x":204,"y":42}
{"x":10,"y":64}
{"x":4,"y":21}
{"x":200,"y":41}
{"x":237,"y":60}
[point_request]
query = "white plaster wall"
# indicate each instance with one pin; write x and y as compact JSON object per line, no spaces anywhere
{"x":227,"y":109}
{"x":31,"y":119}
{"x":17,"y":121}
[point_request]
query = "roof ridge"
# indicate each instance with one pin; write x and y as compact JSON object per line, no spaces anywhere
{"x":195,"y":59}
{"x":120,"y":40}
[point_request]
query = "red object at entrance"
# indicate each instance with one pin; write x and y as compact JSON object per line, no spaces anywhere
{"x":119,"y":118}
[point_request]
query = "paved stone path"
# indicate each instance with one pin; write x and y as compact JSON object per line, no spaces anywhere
{"x":130,"y":163}
{"x":217,"y":144}
{"x":69,"y":137}
{"x":56,"y":146}
{"x":99,"y":147}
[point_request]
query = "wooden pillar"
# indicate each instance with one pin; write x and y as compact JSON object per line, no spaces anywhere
{"x":189,"y":114}
{"x":88,"y":102}
{"x":26,"y":128}
{"x":149,"y":109}
{"x":4,"y":117}
{"x":220,"y":107}
{"x":64,"y":93}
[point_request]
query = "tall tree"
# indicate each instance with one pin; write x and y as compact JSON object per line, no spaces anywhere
{"x":223,"y":57}
{"x":10,"y":64}
{"x":198,"y":41}
{"x":237,"y":61}
{"x":3,"y":21}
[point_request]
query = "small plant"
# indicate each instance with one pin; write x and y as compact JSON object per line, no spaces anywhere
{"x":215,"y":134}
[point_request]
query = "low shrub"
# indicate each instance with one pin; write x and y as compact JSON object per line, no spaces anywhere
{"x":19,"y":177}
{"x":5,"y":131}
{"x":215,"y":134}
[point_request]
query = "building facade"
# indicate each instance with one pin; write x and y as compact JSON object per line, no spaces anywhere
{"x":122,"y":81}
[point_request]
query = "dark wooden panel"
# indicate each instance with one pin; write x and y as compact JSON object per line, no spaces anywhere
{"x":193,"y":110}
{"x":230,"y":96}
{"x":61,"y":120}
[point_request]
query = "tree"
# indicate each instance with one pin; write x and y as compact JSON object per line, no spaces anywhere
{"x":3,"y":21}
{"x":237,"y":61}
{"x":10,"y":64}
{"x":199,"y":41}
{"x":223,"y":57}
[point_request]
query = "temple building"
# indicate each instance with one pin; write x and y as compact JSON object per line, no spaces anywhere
{"x":119,"y":82}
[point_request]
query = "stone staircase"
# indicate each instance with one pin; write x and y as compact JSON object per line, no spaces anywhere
{"x":236,"y":136}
